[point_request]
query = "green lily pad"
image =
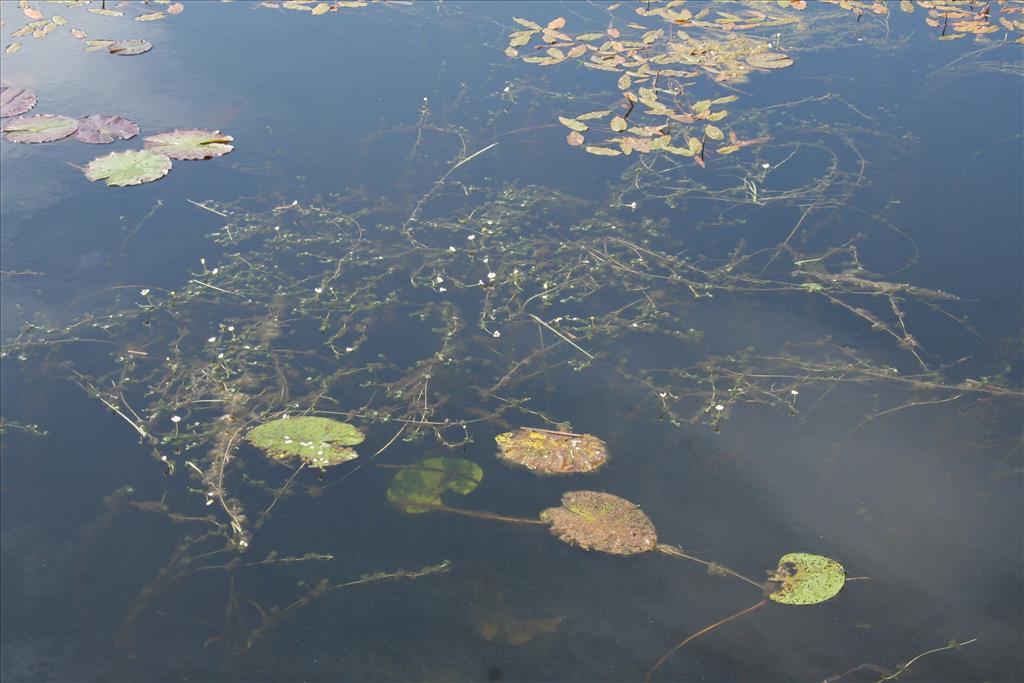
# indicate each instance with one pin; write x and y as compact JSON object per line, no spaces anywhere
{"x":131,"y":167}
{"x":548,"y":452}
{"x":190,"y":144}
{"x":317,"y":441}
{"x":806,"y":579}
{"x":39,"y":128}
{"x":419,"y":487}
{"x":603,"y":522}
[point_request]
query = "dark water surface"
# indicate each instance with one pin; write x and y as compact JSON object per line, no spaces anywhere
{"x":904,"y":154}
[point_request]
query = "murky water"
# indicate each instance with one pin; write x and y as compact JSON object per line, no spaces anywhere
{"x":812,"y":344}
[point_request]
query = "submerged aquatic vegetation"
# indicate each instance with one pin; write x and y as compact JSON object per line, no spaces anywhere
{"x":420,"y":487}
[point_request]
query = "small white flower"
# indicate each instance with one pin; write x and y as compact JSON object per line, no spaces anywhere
{"x":318,"y":290}
{"x":442,"y":289}
{"x":212,"y":339}
{"x":144,"y":292}
{"x":471,"y":237}
{"x":231,"y":328}
{"x":485,"y":259}
{"x":491,"y":276}
{"x":349,"y":349}
{"x":507,"y":88}
{"x":663,"y":394}
{"x":277,"y":228}
{"x":496,"y":334}
{"x":794,"y":392}
{"x":209,"y":502}
{"x":766,"y":166}
{"x":451,"y":249}
{"x":220,"y":355}
{"x":202,"y":260}
{"x":164,"y":458}
{"x":175,"y":419}
{"x":719,"y":407}
{"x":438,"y":279}
{"x":214,"y":271}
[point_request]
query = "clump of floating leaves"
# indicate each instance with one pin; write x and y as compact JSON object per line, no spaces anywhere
{"x":603,"y":522}
{"x":547,"y":451}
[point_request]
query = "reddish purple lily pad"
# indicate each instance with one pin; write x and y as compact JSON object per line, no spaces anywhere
{"x":99,"y":130}
{"x":190,"y":144}
{"x":39,"y":128}
{"x":127,"y":48}
{"x":15,"y":101}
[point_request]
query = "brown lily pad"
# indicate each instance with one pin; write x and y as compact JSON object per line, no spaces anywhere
{"x":16,"y":101}
{"x":603,"y":522}
{"x":99,"y":130}
{"x":128,"y":48}
{"x":550,"y":452}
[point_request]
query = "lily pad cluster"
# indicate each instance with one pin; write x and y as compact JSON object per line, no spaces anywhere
{"x":419,"y":487}
{"x":316,"y":441}
{"x":118,"y":169}
{"x":548,"y":452}
{"x":40,"y":26}
{"x":603,"y":522}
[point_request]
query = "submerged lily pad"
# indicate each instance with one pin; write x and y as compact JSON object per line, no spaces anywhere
{"x":318,"y":441}
{"x":131,"y":167}
{"x":127,"y":48}
{"x":39,"y":128}
{"x":551,"y":452}
{"x":806,"y":579}
{"x":419,"y":487}
{"x":190,"y":144}
{"x":99,"y":130}
{"x":601,"y":521}
{"x":15,"y":101}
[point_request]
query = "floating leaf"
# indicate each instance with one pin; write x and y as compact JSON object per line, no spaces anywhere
{"x":322,"y":8}
{"x":106,"y":12}
{"x":618,"y":124}
{"x":78,"y":33}
{"x":574,"y":138}
{"x":58,"y":20}
{"x":589,"y":36}
{"x":152,"y":16}
{"x":419,"y":487}
{"x":593,"y":115}
{"x":602,"y":151}
{"x":806,"y":579}
{"x":549,"y":452}
{"x":624,"y":81}
{"x":318,"y":441}
{"x":573,"y":124}
{"x":176,"y":8}
{"x":714,"y":132}
{"x":527,"y":23}
{"x":32,"y":13}
{"x":556,"y":24}
{"x":728,"y":149}
{"x":127,"y":48}
{"x":131,"y":167}
{"x":190,"y":144}
{"x":98,"y":129}
{"x":520,"y":39}
{"x":93,"y":45}
{"x":603,"y":522}
{"x":15,"y":101}
{"x":12,"y":48}
{"x":39,"y":128}
{"x":769,"y":60}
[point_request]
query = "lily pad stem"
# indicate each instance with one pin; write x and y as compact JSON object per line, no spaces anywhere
{"x":672,"y":550}
{"x":699,"y":633}
{"x":481,"y":515}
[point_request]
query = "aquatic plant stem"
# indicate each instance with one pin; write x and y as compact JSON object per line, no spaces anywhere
{"x":480,"y":515}
{"x":676,"y":552}
{"x":699,"y":633}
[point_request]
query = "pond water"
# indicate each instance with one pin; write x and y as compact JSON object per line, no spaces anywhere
{"x":792,"y":313}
